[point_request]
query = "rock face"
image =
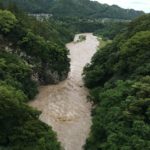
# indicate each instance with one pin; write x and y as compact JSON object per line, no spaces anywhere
{"x":64,"y":106}
{"x":49,"y":77}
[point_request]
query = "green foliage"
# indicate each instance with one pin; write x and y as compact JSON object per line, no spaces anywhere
{"x":121,"y":118}
{"x":53,"y":58}
{"x":20,"y":127}
{"x":134,"y":55}
{"x":80,"y":25}
{"x":7,"y":21}
{"x":28,"y":56}
{"x":127,"y":56}
{"x":110,"y":29}
{"x":101,"y":68}
{"x":38,"y":43}
{"x":50,"y":29}
{"x":81,"y":38}
{"x":103,"y":42}
{"x":76,"y":8}
{"x":119,"y":79}
{"x":139,"y":24}
{"x":16,"y":72}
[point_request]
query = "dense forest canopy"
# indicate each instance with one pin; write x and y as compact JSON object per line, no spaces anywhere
{"x":79,"y":15}
{"x":31,"y":53}
{"x":119,"y":79}
{"x":76,"y":8}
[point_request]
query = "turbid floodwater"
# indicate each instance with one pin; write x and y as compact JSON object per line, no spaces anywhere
{"x":64,"y":106}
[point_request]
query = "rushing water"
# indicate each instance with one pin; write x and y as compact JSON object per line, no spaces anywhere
{"x":64,"y":106}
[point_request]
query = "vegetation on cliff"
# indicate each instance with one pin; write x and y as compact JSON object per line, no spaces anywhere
{"x":119,"y":79}
{"x":76,"y":8}
{"x":31,"y":52}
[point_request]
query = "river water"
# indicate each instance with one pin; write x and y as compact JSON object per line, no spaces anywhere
{"x":64,"y":106}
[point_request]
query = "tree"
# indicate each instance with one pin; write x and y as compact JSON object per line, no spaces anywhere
{"x":7,"y":21}
{"x":19,"y":124}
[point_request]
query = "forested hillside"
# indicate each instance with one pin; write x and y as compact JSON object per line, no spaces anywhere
{"x":75,"y":8}
{"x":31,"y":53}
{"x":119,"y":79}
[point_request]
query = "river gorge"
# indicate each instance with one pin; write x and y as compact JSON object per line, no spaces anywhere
{"x":64,"y":106}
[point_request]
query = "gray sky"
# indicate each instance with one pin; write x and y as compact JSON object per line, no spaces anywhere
{"x":135,"y":4}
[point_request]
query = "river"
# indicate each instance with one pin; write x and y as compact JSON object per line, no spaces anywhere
{"x":64,"y":106}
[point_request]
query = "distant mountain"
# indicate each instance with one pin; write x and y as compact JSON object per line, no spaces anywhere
{"x":76,"y":8}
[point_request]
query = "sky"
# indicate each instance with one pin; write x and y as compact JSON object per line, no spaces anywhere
{"x":135,"y":4}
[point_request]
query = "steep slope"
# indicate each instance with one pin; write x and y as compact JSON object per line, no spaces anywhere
{"x":23,"y":52}
{"x":36,"y":42}
{"x":76,"y":8}
{"x":119,"y":79}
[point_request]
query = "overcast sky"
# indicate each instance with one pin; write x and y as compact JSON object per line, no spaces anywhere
{"x":135,"y":4}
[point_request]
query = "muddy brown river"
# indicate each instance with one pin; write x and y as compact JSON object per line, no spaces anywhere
{"x":64,"y":106}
